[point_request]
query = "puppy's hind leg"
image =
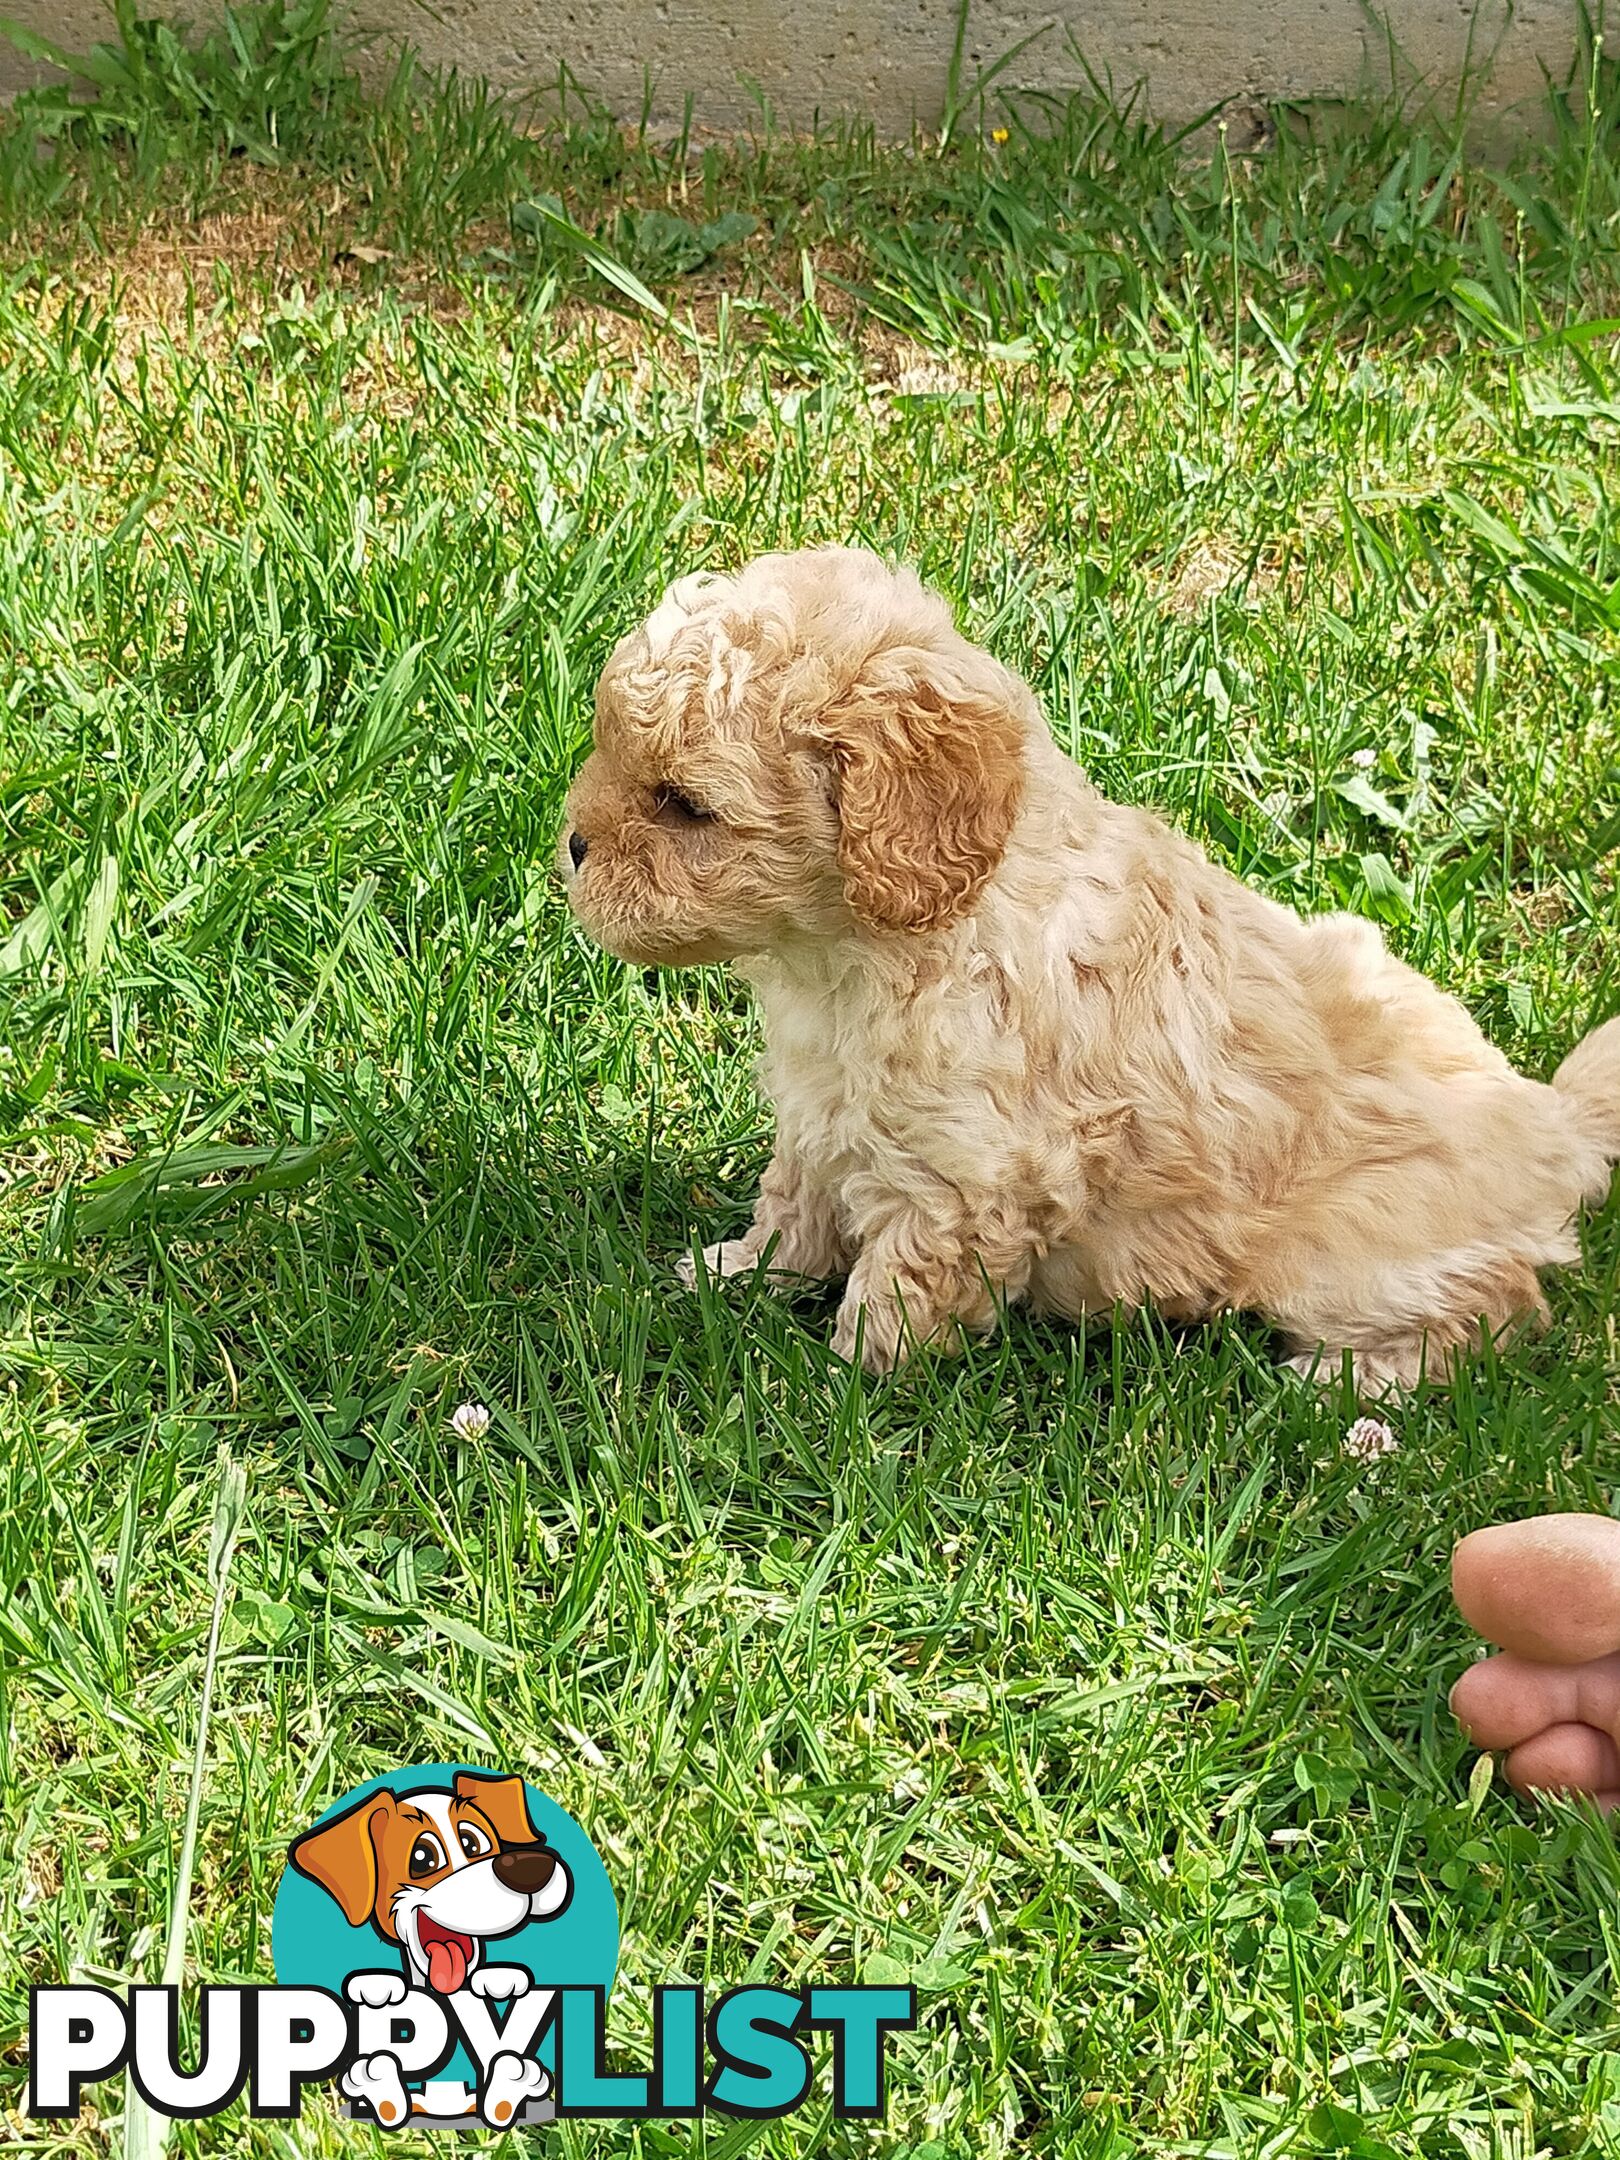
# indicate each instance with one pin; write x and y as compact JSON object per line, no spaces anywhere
{"x":796,"y":1226}
{"x":376,"y":2081}
{"x":1406,"y":1323}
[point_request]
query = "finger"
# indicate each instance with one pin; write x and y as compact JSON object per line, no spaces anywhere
{"x":1507,"y":1699}
{"x":1565,"y":1758}
{"x":1547,"y":1589}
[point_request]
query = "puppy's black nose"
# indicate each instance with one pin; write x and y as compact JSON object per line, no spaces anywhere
{"x":526,"y":1868}
{"x":577,"y":845}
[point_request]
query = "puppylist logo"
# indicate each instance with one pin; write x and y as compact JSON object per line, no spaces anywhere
{"x":445,"y":1940}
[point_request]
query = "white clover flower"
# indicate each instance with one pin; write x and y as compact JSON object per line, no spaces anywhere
{"x":469,"y":1421}
{"x":1364,"y":760}
{"x":1368,"y":1439}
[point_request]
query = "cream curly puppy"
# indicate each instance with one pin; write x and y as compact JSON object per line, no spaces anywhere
{"x":1026,"y":1044}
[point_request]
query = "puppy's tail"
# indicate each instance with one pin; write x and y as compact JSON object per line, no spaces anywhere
{"x":1589,"y":1079}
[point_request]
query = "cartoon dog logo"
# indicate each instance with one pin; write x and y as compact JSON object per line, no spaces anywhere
{"x":439,"y":1874}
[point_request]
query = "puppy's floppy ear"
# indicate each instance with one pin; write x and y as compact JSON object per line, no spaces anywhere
{"x":503,"y":1801}
{"x":928,"y":752}
{"x":342,"y":1855}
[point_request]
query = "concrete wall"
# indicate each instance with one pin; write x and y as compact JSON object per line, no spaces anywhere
{"x":888,"y":59}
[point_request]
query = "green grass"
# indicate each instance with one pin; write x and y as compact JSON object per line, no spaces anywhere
{"x":1083,"y":1679}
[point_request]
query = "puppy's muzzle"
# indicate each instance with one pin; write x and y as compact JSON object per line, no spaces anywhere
{"x":526,"y":1868}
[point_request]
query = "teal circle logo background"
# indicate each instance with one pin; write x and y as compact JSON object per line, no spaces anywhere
{"x":313,"y":1945}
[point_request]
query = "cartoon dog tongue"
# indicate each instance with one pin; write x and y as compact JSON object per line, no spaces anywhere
{"x":447,"y":1959}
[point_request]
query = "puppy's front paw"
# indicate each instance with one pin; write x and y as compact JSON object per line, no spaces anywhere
{"x":731,"y":1256}
{"x":872,"y":1334}
{"x":500,"y":1983}
{"x":375,"y":1989}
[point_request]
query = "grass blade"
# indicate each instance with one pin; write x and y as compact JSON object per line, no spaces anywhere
{"x":146,"y":2134}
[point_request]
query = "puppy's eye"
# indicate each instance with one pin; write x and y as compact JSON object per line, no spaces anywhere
{"x":679,"y":809}
{"x":427,"y":1856}
{"x":473,"y":1841}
